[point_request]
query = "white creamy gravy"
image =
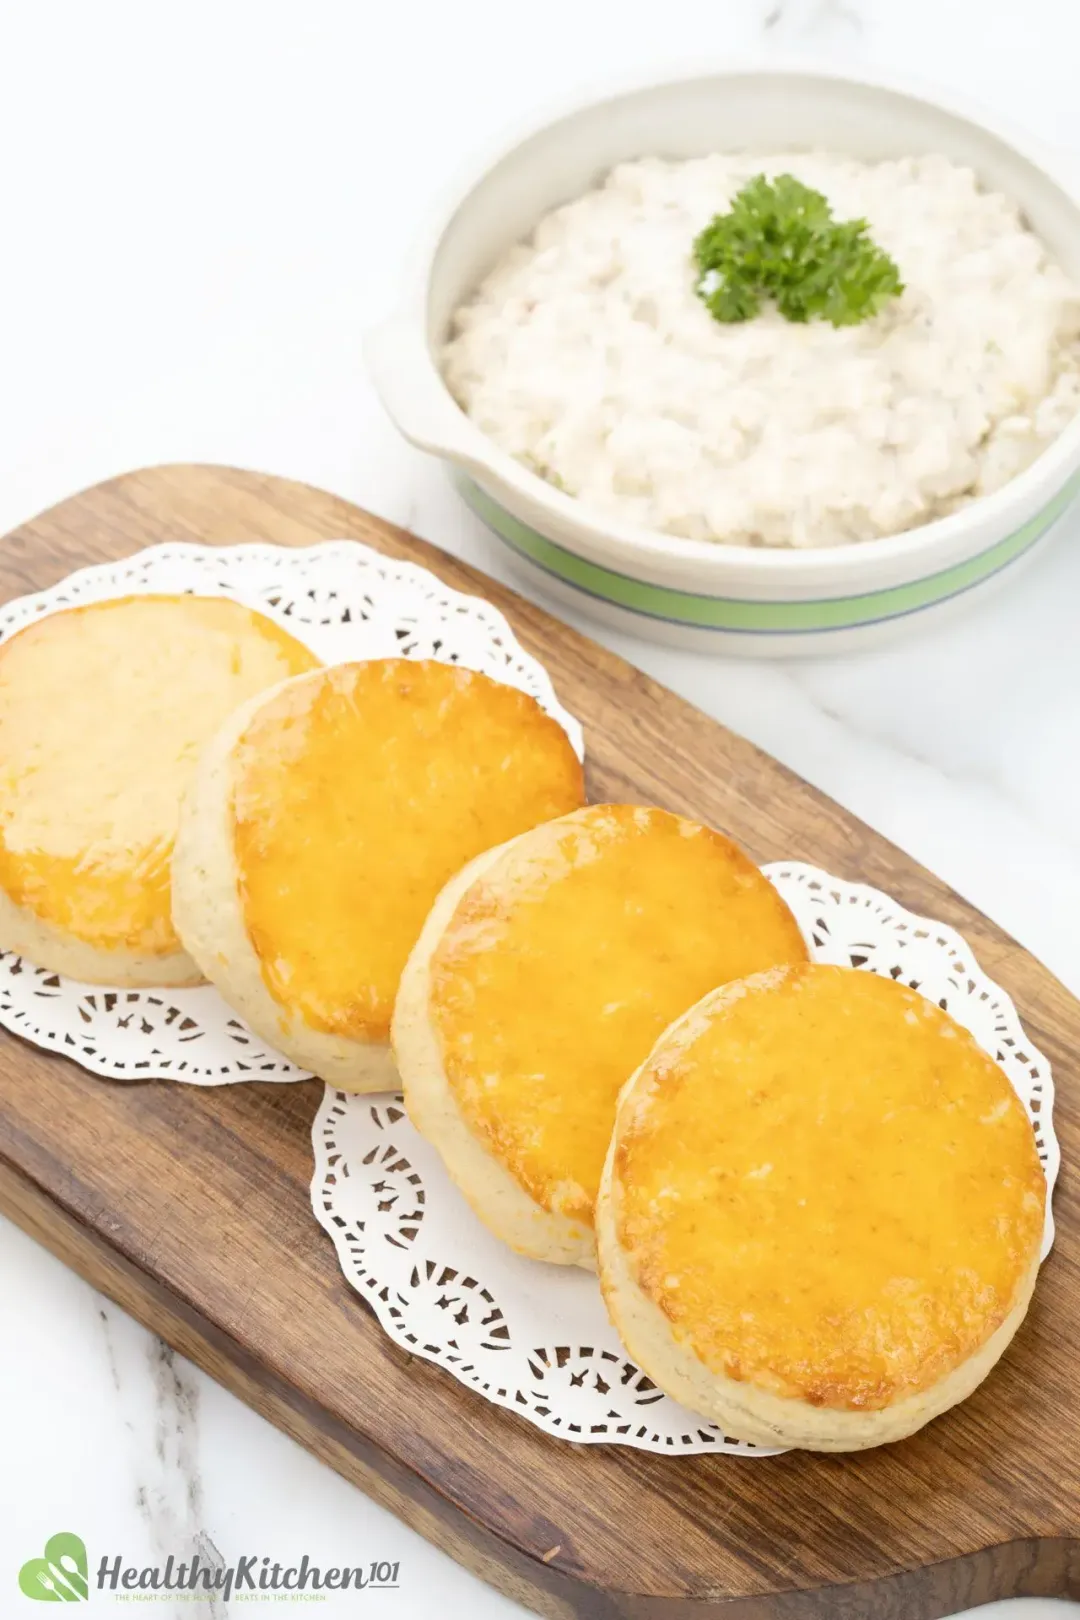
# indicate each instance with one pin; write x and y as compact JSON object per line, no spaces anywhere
{"x":587,"y":354}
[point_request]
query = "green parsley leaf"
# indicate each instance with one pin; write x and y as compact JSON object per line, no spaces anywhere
{"x":780,"y":241}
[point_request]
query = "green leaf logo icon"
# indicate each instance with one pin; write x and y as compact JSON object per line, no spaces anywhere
{"x":61,"y":1575}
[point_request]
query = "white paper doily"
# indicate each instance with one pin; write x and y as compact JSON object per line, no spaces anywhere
{"x":536,"y":1338}
{"x":344,"y":601}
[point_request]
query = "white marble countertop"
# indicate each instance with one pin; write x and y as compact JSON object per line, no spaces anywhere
{"x":204,"y":205}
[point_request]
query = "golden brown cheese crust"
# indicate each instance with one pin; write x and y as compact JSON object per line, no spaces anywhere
{"x":103,"y":710}
{"x":357,"y":793}
{"x":828,"y":1188}
{"x":567,"y":959}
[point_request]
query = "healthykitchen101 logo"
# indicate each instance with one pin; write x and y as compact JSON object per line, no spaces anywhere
{"x":62,"y":1575}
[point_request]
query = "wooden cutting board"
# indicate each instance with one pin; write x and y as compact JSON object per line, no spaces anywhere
{"x":190,"y":1208}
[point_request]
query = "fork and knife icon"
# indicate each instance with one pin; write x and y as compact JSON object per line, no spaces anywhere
{"x":61,"y":1575}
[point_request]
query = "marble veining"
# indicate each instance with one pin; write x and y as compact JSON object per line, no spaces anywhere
{"x":157,"y":1401}
{"x":811,"y":19}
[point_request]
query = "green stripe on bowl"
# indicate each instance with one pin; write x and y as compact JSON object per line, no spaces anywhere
{"x":739,"y":613}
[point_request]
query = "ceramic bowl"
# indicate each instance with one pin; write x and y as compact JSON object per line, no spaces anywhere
{"x":734,"y":599}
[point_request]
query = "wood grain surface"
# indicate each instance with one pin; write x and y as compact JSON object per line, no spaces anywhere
{"x":191,"y":1208}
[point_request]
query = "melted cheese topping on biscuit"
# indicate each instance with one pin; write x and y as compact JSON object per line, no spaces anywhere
{"x":564,"y":963}
{"x":827,"y":1187}
{"x":103,"y":711}
{"x":358,"y":794}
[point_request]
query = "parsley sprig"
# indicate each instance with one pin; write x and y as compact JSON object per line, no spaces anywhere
{"x":780,"y":241}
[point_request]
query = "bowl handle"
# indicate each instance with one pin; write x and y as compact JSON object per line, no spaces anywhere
{"x":414,"y":397}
